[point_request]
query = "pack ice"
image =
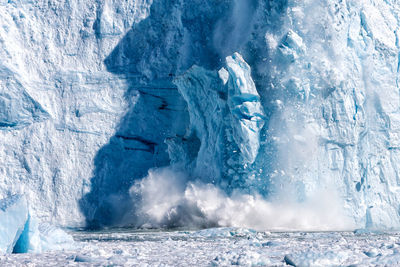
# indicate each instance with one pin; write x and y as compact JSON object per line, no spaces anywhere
{"x":283,"y":100}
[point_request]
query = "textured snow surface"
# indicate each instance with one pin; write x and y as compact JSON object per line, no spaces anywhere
{"x":220,"y":247}
{"x":283,"y":100}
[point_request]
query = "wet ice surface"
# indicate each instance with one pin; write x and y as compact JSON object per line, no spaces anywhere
{"x":220,"y":247}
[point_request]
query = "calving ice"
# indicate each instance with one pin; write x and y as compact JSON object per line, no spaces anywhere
{"x":256,"y":114}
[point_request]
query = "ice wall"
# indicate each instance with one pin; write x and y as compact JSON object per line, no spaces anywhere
{"x":95,"y":94}
{"x":58,"y":103}
{"x":337,"y":126}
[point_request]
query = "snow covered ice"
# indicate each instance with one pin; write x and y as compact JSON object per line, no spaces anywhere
{"x":275,"y":115}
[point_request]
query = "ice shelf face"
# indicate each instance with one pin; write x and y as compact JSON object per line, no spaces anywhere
{"x":17,"y":108}
{"x":58,"y":103}
{"x":94,"y":94}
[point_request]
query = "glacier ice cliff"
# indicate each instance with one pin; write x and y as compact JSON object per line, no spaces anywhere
{"x":279,"y":100}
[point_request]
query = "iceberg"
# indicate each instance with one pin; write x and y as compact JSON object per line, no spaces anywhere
{"x":21,"y":233}
{"x":13,"y":217}
{"x":39,"y":237}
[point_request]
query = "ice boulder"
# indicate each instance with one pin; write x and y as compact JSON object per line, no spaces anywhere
{"x":245,"y":106}
{"x":21,"y":233}
{"x":13,"y":217}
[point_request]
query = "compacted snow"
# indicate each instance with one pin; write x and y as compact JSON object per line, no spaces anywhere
{"x":220,"y":247}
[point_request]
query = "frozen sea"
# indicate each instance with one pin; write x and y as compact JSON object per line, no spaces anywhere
{"x":220,"y":247}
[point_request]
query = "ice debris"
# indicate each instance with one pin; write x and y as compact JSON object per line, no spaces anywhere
{"x":311,"y":258}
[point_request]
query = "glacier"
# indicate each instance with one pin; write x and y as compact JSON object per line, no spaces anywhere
{"x":107,"y":105}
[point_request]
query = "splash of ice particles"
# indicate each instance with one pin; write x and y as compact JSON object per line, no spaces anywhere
{"x":130,"y":112}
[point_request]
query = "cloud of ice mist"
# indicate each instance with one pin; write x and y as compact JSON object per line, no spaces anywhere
{"x":232,"y":31}
{"x":296,"y":139}
{"x":166,"y":199}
